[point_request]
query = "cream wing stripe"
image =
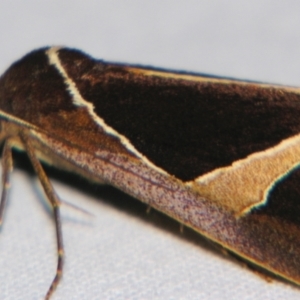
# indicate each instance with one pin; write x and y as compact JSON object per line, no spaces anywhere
{"x":78,"y":100}
{"x":206,"y":79}
{"x":247,"y":182}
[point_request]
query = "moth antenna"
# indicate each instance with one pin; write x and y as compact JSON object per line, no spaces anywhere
{"x":54,"y":201}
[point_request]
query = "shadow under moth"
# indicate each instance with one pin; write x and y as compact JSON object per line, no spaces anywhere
{"x":219,"y":155}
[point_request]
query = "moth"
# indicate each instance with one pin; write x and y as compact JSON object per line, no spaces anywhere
{"x":219,"y":155}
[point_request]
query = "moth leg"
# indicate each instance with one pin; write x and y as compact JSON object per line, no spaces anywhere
{"x":181,"y":228}
{"x":7,"y":166}
{"x":252,"y":267}
{"x":55,"y":203}
{"x":148,"y":210}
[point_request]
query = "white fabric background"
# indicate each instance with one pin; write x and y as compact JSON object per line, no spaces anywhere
{"x":123,"y":253}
